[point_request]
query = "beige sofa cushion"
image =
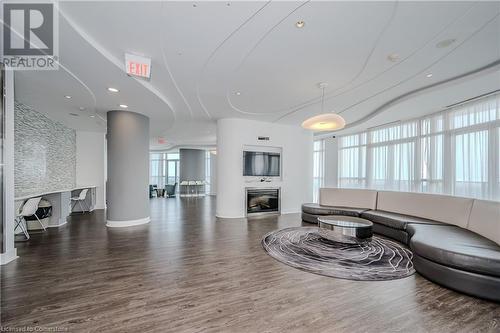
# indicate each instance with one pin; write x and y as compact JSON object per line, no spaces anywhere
{"x":485,"y":219}
{"x":442,"y":208}
{"x":344,"y":197}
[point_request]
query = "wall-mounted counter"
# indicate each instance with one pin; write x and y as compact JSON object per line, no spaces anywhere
{"x":61,"y":203}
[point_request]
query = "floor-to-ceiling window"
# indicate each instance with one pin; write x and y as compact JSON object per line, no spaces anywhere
{"x":352,"y":159}
{"x":163,"y":169}
{"x":173,"y":168}
{"x":156,"y":163}
{"x":207,"y":172}
{"x":318,"y":168}
{"x":454,"y":152}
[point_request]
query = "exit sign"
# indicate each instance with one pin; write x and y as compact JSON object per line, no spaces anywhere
{"x":138,"y":66}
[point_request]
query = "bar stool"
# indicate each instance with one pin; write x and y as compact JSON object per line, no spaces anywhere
{"x":191,"y":183}
{"x":198,"y":184}
{"x":184,"y":184}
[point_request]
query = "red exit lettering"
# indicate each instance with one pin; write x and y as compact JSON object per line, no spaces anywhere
{"x":138,"y":69}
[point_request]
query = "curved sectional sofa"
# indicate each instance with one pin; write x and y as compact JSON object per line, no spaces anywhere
{"x":455,"y":241}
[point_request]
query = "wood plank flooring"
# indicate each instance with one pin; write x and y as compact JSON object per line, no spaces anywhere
{"x":187,"y":271}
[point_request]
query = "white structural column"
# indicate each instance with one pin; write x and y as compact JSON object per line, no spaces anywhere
{"x":295,"y":182}
{"x":128,"y":169}
{"x":8,"y":252}
{"x":192,"y":168}
{"x":331,"y":162}
{"x":230,"y":185}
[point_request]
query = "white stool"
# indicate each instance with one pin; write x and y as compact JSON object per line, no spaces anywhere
{"x":199,"y":183}
{"x":184,"y":184}
{"x":191,"y":183}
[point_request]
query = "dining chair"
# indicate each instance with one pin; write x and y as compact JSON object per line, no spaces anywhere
{"x":29,"y":209}
{"x":80,"y":199}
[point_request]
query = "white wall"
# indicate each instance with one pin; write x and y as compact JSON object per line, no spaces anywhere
{"x":9,"y":252}
{"x":296,"y":181}
{"x":91,"y":163}
{"x":331,"y":162}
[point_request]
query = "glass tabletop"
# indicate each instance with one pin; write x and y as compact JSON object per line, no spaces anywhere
{"x":345,"y":221}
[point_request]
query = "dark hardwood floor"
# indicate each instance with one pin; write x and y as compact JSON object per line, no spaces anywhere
{"x":187,"y":271}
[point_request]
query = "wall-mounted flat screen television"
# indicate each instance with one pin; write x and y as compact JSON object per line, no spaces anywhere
{"x":262,"y":164}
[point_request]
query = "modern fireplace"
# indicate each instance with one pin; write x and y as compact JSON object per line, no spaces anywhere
{"x":263,"y":200}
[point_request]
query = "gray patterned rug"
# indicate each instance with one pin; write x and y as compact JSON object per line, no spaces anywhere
{"x":302,"y":248}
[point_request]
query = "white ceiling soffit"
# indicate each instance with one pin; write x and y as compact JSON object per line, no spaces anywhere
{"x":213,"y":60}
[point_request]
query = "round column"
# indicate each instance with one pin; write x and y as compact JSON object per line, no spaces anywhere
{"x":192,"y":167}
{"x":128,"y":169}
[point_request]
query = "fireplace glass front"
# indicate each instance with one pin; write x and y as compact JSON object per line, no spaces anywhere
{"x":263,"y":201}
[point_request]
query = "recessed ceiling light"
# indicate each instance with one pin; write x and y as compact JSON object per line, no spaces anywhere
{"x":81,"y":108}
{"x":445,"y":43}
{"x":67,"y":96}
{"x":429,"y":75}
{"x":74,"y":114}
{"x":324,"y":122}
{"x":238,"y":93}
{"x":92,"y":116}
{"x":113,"y":89}
{"x":124,"y":106}
{"x":393,"y":57}
{"x":300,"y":24}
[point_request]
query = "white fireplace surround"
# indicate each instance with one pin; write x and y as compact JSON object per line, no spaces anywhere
{"x":296,"y":145}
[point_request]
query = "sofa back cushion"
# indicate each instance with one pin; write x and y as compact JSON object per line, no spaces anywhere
{"x":441,"y":208}
{"x":344,"y":197}
{"x":485,"y":219}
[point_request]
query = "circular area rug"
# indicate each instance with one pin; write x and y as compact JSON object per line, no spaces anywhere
{"x":302,"y":248}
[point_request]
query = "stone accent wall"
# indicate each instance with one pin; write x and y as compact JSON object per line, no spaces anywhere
{"x":44,"y":153}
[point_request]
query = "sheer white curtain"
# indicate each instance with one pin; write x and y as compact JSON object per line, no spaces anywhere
{"x":208,"y":179}
{"x":352,"y":161}
{"x":431,"y":164}
{"x":318,"y":168}
{"x":471,"y":164}
{"x":455,"y":152}
{"x":403,"y":160}
{"x":392,"y":157}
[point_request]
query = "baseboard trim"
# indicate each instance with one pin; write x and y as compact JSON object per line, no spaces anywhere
{"x":229,"y":217}
{"x":7,"y":257}
{"x":127,"y":223}
{"x":291,"y":212}
{"x":243,"y":216}
{"x":57,"y":225}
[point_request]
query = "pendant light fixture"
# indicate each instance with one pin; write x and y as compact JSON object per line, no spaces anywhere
{"x":324,"y":121}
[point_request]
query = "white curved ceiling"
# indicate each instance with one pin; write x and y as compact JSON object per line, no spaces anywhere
{"x":213,"y":60}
